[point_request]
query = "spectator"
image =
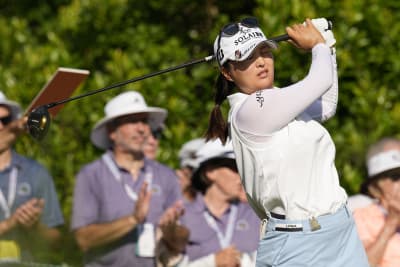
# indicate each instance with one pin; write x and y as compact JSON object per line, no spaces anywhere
{"x":152,"y":143}
{"x":30,"y":211}
{"x":378,"y":223}
{"x":223,"y":230}
{"x":188,"y":163}
{"x":120,"y":197}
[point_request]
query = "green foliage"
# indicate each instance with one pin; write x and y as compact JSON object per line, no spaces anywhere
{"x":119,"y":39}
{"x":367,"y":34}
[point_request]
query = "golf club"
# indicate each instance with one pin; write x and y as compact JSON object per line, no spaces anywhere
{"x":39,"y":118}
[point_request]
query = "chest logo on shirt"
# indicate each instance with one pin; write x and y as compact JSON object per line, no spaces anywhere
{"x":24,"y":189}
{"x":155,"y":189}
{"x":242,"y":225}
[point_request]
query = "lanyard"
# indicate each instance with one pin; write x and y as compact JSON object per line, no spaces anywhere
{"x":224,"y":240}
{"x":12,"y":188}
{"x":117,"y":176}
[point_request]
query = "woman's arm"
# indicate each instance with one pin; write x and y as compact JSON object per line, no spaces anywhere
{"x":324,"y":108}
{"x":280,"y":106}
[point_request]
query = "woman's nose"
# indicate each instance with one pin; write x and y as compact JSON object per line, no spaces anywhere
{"x":260,"y":61}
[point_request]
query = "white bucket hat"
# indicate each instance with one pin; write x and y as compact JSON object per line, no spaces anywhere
{"x":188,"y":153}
{"x":215,"y":149}
{"x":213,"y":153}
{"x":239,"y":46}
{"x":383,"y":162}
{"x":125,"y":104}
{"x":13,"y":106}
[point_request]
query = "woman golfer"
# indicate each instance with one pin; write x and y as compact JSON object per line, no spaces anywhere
{"x":285,"y":157}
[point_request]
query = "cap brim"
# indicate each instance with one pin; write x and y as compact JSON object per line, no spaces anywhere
{"x":217,"y":162}
{"x":99,"y":135}
{"x":369,"y":180}
{"x":14,"y":107}
{"x":270,"y":43}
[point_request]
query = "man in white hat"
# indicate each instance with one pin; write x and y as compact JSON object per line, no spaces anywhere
{"x":29,"y":207}
{"x":120,"y":198}
{"x":378,"y":223}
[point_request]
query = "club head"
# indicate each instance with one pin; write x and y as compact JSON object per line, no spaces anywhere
{"x":39,"y":122}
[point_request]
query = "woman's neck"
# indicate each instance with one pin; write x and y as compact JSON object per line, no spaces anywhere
{"x":5,"y":159}
{"x":216,"y":202}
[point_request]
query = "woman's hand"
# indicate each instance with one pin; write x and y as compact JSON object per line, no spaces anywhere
{"x":304,"y":36}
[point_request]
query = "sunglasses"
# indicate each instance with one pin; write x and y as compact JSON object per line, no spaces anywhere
{"x":232,"y":29}
{"x":6,"y":120}
{"x":157,"y":134}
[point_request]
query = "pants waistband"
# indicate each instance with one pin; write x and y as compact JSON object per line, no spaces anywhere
{"x":328,"y":221}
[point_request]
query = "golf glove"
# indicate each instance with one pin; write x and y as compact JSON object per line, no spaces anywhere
{"x":325,"y":28}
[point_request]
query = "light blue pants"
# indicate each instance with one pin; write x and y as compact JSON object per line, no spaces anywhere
{"x":336,"y":244}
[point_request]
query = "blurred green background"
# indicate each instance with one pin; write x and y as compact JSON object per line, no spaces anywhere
{"x":119,"y":39}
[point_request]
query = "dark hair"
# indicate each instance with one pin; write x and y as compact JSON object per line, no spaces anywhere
{"x":393,"y":174}
{"x":200,"y":180}
{"x":217,"y":125}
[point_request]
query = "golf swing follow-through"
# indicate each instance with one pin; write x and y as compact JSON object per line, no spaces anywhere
{"x":39,"y":118}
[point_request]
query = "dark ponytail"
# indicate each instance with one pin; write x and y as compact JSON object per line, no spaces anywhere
{"x":217,"y":125}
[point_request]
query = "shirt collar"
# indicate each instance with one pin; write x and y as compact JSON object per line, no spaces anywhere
{"x":199,"y":204}
{"x":236,"y":98}
{"x":16,"y":159}
{"x":143,"y":169}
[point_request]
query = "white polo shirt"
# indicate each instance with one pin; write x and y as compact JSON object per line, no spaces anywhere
{"x":284,"y":156}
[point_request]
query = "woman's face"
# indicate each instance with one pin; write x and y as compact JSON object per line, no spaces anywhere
{"x":227,"y":180}
{"x":254,"y":73}
{"x":389,"y":193}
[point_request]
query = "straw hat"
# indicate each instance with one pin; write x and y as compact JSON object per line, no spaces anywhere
{"x":128,"y":103}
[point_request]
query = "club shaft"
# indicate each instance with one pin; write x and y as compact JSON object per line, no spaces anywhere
{"x":279,"y":38}
{"x":184,"y":65}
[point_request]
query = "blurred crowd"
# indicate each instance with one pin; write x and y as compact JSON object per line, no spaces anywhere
{"x":131,"y":210}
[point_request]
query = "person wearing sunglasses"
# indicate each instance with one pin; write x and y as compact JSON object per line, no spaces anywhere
{"x":121,"y":197}
{"x":378,"y":223}
{"x":150,"y":148}
{"x":285,"y":157}
{"x":188,"y":163}
{"x":29,"y":208}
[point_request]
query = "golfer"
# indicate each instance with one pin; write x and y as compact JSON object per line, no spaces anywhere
{"x":285,"y":157}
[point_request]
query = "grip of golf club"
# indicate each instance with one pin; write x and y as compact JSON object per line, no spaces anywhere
{"x":280,"y":38}
{"x":285,"y":37}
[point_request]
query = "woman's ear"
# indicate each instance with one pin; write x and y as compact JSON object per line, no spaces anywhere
{"x":226,"y":74}
{"x":375,"y":191}
{"x":211,"y":174}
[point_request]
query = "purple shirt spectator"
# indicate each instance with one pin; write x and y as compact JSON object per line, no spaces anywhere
{"x":204,"y":239}
{"x":99,"y":198}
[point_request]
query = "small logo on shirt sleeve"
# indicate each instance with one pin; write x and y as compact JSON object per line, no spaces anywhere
{"x":260,"y":98}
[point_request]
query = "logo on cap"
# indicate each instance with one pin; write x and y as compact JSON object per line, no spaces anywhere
{"x":220,"y":54}
{"x":238,"y":54}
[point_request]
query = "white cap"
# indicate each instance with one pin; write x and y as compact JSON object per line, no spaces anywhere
{"x":14,"y":107}
{"x":187,"y":154}
{"x":239,"y":46}
{"x":215,"y":149}
{"x":383,"y":162}
{"x":125,"y":104}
